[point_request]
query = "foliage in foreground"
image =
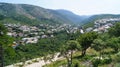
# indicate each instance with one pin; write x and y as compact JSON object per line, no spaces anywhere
{"x":100,"y":43}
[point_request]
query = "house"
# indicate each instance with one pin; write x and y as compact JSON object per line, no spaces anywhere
{"x":30,"y":40}
{"x":44,"y":36}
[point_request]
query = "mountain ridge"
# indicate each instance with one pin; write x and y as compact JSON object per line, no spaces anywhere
{"x":31,"y":14}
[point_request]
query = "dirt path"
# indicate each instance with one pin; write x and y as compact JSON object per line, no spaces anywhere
{"x":38,"y":62}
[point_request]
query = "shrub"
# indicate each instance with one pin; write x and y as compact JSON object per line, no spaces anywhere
{"x":95,"y":62}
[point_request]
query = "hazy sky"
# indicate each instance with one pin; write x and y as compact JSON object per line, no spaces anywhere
{"x":81,"y":7}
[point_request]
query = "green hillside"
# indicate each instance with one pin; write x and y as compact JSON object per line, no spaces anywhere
{"x":30,"y":14}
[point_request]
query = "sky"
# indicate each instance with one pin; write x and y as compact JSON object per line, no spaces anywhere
{"x":80,"y":7}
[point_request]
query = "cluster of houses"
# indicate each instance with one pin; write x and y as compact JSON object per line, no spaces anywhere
{"x":25,"y":34}
{"x":31,"y":34}
{"x":102,"y":25}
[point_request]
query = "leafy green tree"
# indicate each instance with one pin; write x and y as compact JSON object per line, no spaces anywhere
{"x":4,"y":39}
{"x":85,"y":40}
{"x":3,"y":30}
{"x":9,"y":54}
{"x":5,"y":44}
{"x":114,"y":43}
{"x":68,"y":49}
{"x":115,"y":30}
{"x":99,"y":45}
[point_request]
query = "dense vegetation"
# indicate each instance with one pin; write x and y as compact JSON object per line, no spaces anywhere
{"x":100,"y":51}
{"x":105,"y":46}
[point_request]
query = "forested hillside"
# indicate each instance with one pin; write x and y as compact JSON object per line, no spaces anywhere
{"x":30,"y":14}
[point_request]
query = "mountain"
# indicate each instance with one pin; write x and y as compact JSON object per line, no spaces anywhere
{"x":31,"y":14}
{"x":76,"y":19}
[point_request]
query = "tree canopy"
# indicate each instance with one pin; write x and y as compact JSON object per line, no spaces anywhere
{"x":115,"y":30}
{"x":85,"y":40}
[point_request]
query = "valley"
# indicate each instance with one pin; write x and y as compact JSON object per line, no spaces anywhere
{"x":33,"y":36}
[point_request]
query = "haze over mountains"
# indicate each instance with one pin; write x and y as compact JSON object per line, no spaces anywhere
{"x":31,"y":14}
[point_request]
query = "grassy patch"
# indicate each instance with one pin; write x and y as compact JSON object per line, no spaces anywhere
{"x":57,"y":63}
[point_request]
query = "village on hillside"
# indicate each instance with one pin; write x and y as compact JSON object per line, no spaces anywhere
{"x":102,"y":25}
{"x":31,"y":34}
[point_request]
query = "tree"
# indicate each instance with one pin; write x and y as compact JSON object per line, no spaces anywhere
{"x":85,"y":40}
{"x":114,"y":43}
{"x":2,"y":34}
{"x":68,"y":49}
{"x":3,"y":30}
{"x":99,"y":45}
{"x":4,"y":39}
{"x":101,"y":42}
{"x":5,"y":42}
{"x":115,"y":30}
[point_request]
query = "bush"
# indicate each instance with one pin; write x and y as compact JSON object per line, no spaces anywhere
{"x":95,"y":62}
{"x":87,"y":57}
{"x":117,"y":65}
{"x":106,"y":61}
{"x":35,"y":60}
{"x":76,"y":63}
{"x":117,"y":57}
{"x":29,"y":63}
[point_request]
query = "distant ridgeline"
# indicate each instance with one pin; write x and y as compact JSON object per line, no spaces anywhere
{"x":29,"y":14}
{"x":32,"y":15}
